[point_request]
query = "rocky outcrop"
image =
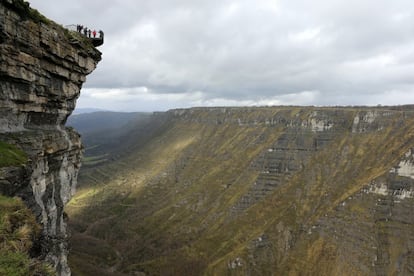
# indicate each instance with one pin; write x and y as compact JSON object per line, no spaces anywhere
{"x":42,"y":69}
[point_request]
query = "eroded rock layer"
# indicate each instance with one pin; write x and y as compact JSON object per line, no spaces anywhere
{"x":42,"y":69}
{"x":254,"y":191}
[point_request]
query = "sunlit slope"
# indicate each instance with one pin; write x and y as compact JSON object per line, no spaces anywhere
{"x":253,"y":191}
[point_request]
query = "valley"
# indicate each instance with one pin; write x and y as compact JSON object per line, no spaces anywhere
{"x":248,"y":191}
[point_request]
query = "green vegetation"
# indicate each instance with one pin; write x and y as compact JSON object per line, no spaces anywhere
{"x":10,"y":155}
{"x":18,"y":229}
{"x":94,"y":160}
{"x":14,"y":263}
{"x":168,"y":205}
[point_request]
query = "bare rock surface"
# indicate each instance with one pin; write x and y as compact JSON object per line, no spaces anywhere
{"x":42,"y":69}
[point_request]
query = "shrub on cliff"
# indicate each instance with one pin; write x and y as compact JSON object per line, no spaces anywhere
{"x":10,"y":155}
{"x":18,"y":229}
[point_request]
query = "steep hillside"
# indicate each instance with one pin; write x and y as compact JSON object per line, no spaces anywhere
{"x":253,"y":191}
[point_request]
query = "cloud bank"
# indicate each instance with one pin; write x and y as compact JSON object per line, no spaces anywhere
{"x":181,"y":53}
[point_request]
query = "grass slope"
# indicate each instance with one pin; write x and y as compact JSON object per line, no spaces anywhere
{"x":18,"y":228}
{"x":167,"y":208}
{"x":10,"y":155}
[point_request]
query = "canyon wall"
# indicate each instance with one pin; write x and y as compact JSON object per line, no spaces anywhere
{"x":282,"y":190}
{"x":42,"y":69}
{"x":333,"y":193}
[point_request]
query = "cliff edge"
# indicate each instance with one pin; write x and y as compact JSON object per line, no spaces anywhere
{"x":42,"y":69}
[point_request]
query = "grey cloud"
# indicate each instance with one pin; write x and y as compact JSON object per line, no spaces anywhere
{"x":351,"y":52}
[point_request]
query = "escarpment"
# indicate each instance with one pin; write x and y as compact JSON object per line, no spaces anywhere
{"x":332,"y":192}
{"x":42,"y":69}
{"x":254,"y":191}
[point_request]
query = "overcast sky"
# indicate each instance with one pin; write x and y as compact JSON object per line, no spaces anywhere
{"x":163,"y":54}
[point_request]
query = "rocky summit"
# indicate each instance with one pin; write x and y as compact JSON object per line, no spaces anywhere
{"x":42,"y":69}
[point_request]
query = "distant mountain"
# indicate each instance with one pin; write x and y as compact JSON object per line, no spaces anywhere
{"x":104,"y":133}
{"x":86,"y":110}
{"x":90,"y":122}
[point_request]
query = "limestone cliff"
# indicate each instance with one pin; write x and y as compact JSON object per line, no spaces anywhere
{"x":253,"y":191}
{"x":42,"y":69}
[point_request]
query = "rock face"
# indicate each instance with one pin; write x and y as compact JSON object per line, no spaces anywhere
{"x":333,"y":193}
{"x":255,"y":191}
{"x":42,"y":69}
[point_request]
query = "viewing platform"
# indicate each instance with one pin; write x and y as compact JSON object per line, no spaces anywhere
{"x":97,"y":41}
{"x":97,"y":37}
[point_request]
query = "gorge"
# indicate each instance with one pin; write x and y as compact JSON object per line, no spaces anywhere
{"x":249,"y":191}
{"x":282,"y":190}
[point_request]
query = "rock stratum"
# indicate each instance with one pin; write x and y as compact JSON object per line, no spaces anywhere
{"x":42,"y":69}
{"x":252,"y":191}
